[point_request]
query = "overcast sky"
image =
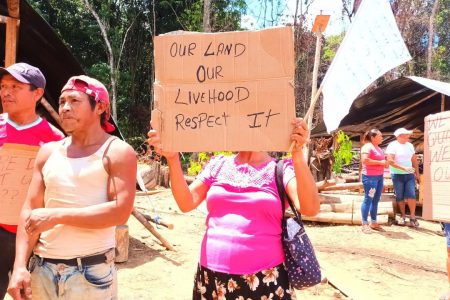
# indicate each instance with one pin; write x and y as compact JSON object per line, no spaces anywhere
{"x":328,"y":7}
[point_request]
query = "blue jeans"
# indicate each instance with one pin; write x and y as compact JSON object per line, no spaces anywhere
{"x":447,"y":233}
{"x":7,"y":254}
{"x":404,"y":186}
{"x":373,"y":186}
{"x":83,"y":282}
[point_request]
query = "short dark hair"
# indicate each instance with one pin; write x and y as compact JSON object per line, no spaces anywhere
{"x":93,"y":103}
{"x":371,"y":134}
{"x":33,"y":88}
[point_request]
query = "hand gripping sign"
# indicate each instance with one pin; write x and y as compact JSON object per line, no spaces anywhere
{"x":225,"y":91}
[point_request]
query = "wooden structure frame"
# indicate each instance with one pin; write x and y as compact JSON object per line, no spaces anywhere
{"x":12,"y":22}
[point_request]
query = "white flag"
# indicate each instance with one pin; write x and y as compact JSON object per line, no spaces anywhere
{"x":372,"y":46}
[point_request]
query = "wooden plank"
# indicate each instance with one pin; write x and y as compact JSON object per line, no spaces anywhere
{"x":14,"y":8}
{"x":11,"y":41}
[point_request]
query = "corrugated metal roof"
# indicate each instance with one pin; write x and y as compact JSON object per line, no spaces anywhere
{"x":403,"y":102}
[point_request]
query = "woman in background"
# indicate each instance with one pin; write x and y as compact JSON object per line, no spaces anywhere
{"x":373,"y":164}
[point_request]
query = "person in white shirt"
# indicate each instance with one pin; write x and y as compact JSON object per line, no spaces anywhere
{"x":404,"y":172}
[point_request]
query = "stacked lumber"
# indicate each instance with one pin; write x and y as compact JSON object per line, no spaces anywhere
{"x":345,"y":208}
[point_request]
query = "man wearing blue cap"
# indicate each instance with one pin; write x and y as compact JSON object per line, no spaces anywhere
{"x":21,"y":87}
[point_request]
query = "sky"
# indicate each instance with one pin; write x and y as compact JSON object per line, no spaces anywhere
{"x":327,"y":7}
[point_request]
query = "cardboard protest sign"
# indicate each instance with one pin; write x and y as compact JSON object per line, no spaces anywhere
{"x":436,"y":203}
{"x":225,"y":91}
{"x":16,"y":168}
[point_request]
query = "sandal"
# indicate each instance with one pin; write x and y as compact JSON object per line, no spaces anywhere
{"x":414,"y":223}
{"x":377,"y":227}
{"x":365,"y":228}
{"x":401,"y":222}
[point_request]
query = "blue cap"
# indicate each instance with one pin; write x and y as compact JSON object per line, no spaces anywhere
{"x":25,"y":73}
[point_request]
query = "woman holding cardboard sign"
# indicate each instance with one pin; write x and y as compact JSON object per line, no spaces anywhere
{"x":241,"y":253}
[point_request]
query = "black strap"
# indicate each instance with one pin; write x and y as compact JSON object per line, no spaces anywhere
{"x":85,"y":261}
{"x":282,"y":192}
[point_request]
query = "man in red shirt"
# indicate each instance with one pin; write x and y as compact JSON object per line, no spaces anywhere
{"x":21,"y":87}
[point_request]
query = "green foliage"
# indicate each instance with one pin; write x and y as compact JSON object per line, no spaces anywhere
{"x":225,"y":15}
{"x":137,"y":143}
{"x":130,"y":26}
{"x":195,"y":166}
{"x":331,"y":46}
{"x":342,"y":153}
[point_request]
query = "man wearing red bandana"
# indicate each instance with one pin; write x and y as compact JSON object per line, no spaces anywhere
{"x":81,"y":188}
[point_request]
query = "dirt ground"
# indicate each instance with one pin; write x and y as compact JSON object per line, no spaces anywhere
{"x":401,"y":263}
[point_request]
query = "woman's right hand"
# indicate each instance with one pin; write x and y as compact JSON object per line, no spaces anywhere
{"x":154,"y":140}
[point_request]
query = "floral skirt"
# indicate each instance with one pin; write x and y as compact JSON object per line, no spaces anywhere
{"x":272,"y":283}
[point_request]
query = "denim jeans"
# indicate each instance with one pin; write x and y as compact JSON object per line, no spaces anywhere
{"x":83,"y":282}
{"x":404,"y":186}
{"x":447,"y":233}
{"x":373,"y":186}
{"x":7,"y":254}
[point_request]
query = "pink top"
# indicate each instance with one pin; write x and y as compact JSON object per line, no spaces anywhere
{"x":243,"y":233}
{"x":36,"y":133}
{"x":375,"y":153}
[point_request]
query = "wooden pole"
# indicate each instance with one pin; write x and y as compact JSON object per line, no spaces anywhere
{"x":51,"y":110}
{"x":309,"y":118}
{"x":11,"y":41}
{"x":122,"y":243}
{"x":158,"y":222}
{"x":152,"y":229}
{"x":12,"y":24}
{"x":442,"y":102}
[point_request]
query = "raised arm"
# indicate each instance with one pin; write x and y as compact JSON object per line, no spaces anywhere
{"x":302,"y":190}
{"x":187,"y":197}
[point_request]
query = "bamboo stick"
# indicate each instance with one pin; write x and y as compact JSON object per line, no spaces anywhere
{"x":153,"y":231}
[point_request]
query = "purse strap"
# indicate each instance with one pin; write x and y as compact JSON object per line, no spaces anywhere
{"x":282,"y":192}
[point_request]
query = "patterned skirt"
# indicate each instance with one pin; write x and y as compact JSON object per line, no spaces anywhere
{"x":272,"y":283}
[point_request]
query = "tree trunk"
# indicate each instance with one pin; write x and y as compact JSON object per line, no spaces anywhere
{"x":431,"y":37}
{"x":207,"y":16}
{"x":112,"y":70}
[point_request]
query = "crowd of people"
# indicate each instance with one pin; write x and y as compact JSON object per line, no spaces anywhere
{"x":83,"y":185}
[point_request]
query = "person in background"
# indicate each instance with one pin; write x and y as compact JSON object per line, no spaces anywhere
{"x":241,"y":252}
{"x":82,"y":187}
{"x":373,"y":164}
{"x":21,"y":88}
{"x":446,"y":296}
{"x":405,"y":173}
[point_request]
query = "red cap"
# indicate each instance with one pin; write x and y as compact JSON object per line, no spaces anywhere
{"x":94,"y":88}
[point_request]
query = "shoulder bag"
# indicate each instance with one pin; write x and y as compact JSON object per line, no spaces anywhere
{"x":300,"y":260}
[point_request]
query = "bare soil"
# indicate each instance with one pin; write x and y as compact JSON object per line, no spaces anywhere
{"x":401,"y":263}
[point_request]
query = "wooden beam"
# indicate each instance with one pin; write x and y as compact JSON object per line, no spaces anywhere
{"x":14,"y":8}
{"x":12,"y":25}
{"x":51,"y":110}
{"x":400,"y":111}
{"x":442,"y":102}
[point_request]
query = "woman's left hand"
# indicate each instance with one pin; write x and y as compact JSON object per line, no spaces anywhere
{"x":300,"y":133}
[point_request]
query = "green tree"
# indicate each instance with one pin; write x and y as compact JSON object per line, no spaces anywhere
{"x":130,"y":26}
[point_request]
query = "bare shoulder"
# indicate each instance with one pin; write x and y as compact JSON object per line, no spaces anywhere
{"x":120,"y":150}
{"x":45,"y":151}
{"x":366,"y":148}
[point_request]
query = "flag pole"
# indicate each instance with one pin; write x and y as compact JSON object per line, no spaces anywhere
{"x":308,"y":115}
{"x":319,"y":26}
